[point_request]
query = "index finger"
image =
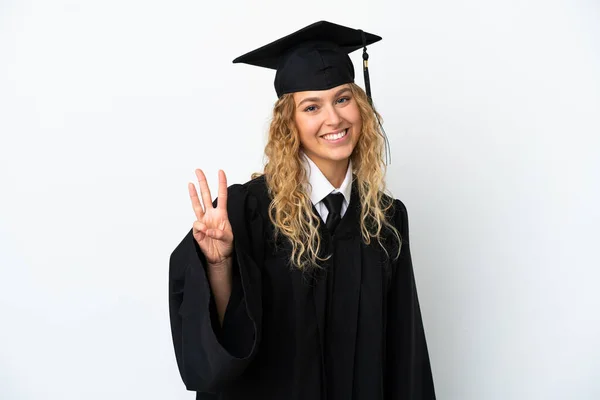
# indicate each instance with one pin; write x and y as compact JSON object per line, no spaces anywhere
{"x":222,"y":202}
{"x":204,"y":190}
{"x":195,"y":201}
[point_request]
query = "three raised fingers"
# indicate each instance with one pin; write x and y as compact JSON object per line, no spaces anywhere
{"x":199,"y":210}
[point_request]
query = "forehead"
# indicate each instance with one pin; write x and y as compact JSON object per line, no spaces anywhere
{"x":320,"y":94}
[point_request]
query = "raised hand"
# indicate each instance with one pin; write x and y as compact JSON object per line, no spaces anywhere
{"x":212,"y":229}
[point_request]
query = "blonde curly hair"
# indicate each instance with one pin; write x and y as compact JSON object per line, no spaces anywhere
{"x":291,"y":210}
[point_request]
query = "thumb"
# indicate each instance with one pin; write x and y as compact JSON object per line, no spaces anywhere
{"x":199,"y":228}
{"x":224,"y":235}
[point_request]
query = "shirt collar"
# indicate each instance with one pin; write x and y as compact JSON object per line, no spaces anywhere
{"x":320,"y":187}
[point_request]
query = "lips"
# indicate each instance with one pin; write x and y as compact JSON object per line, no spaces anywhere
{"x":335,"y":136}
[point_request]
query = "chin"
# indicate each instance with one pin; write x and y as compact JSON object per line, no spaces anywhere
{"x":337,"y":155}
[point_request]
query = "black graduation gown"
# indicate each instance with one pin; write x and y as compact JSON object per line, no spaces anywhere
{"x":290,"y":335}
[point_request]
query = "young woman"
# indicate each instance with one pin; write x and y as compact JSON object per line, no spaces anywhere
{"x":299,"y":284}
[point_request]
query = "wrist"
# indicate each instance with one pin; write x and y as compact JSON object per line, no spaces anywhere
{"x":221,"y":267}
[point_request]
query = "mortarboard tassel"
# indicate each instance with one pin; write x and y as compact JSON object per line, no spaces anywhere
{"x":366,"y":69}
{"x":388,"y":154}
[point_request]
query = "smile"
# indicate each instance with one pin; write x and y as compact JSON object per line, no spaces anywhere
{"x":332,"y":137}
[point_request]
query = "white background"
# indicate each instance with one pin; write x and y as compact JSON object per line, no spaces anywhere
{"x":106,"y":108}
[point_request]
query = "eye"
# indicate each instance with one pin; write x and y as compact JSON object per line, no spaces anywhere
{"x":310,"y":108}
{"x":342,"y":100}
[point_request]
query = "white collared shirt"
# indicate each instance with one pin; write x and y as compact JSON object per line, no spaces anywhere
{"x":319,"y":187}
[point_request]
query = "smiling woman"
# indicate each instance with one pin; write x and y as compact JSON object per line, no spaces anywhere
{"x":299,"y":283}
{"x":329,"y":125}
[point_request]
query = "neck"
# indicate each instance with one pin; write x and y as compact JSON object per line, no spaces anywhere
{"x":334,"y":171}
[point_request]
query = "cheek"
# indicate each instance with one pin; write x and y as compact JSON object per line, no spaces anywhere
{"x":307,"y":127}
{"x":353,"y":116}
{"x":357,"y":126}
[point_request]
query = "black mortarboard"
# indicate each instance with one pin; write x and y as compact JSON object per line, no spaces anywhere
{"x":313,"y":58}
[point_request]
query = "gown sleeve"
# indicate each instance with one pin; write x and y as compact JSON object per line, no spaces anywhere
{"x":408,"y":368}
{"x":209,"y":356}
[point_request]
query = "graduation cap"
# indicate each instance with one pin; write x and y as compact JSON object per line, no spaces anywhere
{"x":314,"y":58}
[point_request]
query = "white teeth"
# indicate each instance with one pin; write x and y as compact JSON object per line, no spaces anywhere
{"x":336,"y":136}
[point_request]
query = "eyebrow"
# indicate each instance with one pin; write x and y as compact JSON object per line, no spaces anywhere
{"x":317,"y":99}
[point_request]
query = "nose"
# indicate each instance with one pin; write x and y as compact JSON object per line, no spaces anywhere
{"x":333,"y":117}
